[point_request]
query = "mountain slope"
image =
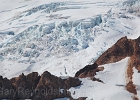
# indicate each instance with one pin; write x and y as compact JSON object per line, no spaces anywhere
{"x":63,"y":37}
{"x":119,"y":68}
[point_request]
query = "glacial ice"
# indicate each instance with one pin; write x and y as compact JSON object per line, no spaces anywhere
{"x":8,"y":33}
{"x":70,"y":35}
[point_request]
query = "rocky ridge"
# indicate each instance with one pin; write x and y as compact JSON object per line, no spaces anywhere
{"x":35,"y":87}
{"x":123,"y":48}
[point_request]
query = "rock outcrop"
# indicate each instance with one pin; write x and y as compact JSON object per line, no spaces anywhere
{"x":7,"y":89}
{"x":82,"y":98}
{"x":86,"y":69}
{"x":89,"y":71}
{"x":54,"y":87}
{"x":25,"y":84}
{"x":35,"y":87}
{"x":121,"y":49}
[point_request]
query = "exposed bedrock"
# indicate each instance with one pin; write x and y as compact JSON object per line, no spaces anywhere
{"x":35,"y":87}
{"x":123,"y":48}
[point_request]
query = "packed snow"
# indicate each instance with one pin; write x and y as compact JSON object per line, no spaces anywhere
{"x":136,"y":76}
{"x":113,"y":87}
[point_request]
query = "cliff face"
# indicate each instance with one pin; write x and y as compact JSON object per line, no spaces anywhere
{"x":54,"y":87}
{"x":89,"y":71}
{"x":35,"y":87}
{"x":23,"y":83}
{"x":86,"y":69}
{"x":6,"y":89}
{"x":121,"y":49}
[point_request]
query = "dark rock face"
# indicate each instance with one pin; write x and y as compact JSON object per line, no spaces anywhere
{"x":86,"y":69}
{"x":35,"y":87}
{"x":89,"y":71}
{"x":136,"y":60}
{"x":121,"y":49}
{"x":54,"y":87}
{"x":82,"y":98}
{"x":25,"y":84}
{"x":7,"y":89}
{"x":71,"y":82}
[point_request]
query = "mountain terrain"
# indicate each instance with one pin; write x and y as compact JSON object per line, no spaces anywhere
{"x":79,"y":49}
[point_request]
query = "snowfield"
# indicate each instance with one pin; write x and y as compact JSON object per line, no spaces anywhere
{"x":63,"y":37}
{"x":113,"y":87}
